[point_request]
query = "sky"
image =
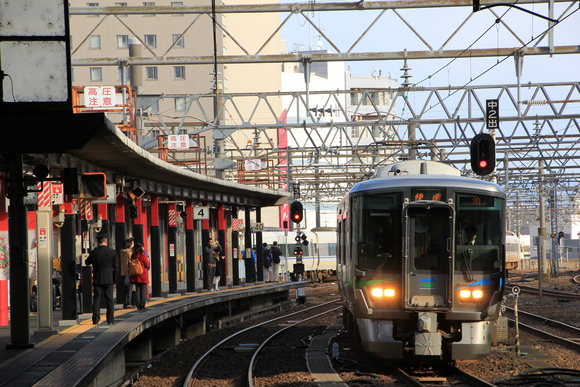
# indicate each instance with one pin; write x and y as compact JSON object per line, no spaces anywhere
{"x":436,"y":26}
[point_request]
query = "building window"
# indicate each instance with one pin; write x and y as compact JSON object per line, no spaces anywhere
{"x":177,"y":4}
{"x":95,"y":42}
{"x":149,"y":4}
{"x":180,"y":42}
{"x":180,"y":103}
{"x":151,"y":73}
{"x":151,"y":40}
{"x":122,"y":41}
{"x":96,"y":74}
{"x":121,"y":5}
{"x":179,"y":72}
{"x":92,"y":5}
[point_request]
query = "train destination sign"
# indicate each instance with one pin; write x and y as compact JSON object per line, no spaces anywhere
{"x":437,"y":194}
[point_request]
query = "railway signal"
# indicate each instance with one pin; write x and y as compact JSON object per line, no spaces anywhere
{"x":296,"y":212}
{"x":482,"y":154}
{"x":133,"y":211}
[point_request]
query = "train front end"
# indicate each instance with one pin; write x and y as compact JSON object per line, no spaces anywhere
{"x":421,"y":264}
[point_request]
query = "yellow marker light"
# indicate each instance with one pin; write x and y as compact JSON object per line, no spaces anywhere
{"x":389,"y":292}
{"x":477,"y":294}
{"x":464,"y":293}
{"x":377,"y":292}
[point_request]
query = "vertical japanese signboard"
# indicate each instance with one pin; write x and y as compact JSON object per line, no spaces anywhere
{"x":492,"y":114}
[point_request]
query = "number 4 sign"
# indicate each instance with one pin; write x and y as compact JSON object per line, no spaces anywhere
{"x":200,"y":213}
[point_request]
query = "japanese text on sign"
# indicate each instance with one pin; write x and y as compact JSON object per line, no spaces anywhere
{"x":178,"y":141}
{"x":492,"y":113}
{"x":100,"y":96}
{"x":57,"y":194}
{"x":253,"y":165}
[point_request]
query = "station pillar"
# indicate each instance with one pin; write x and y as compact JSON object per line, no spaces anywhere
{"x":68,"y":263}
{"x":120,"y":236}
{"x":172,"y":246}
{"x":190,"y":268}
{"x":155,"y":252}
{"x":223,"y":241}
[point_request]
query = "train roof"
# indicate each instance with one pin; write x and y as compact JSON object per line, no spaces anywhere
{"x":417,"y":173}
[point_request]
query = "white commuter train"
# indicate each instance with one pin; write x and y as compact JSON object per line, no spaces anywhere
{"x":319,"y":255}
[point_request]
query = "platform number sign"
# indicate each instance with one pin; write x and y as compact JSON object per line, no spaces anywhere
{"x":492,"y":113}
{"x":200,"y":213}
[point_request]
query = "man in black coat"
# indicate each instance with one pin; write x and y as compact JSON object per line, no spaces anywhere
{"x":210,"y":262}
{"x":105,"y":269}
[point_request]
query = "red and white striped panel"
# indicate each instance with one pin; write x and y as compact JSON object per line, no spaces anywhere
{"x":86,"y":209}
{"x":172,"y":218}
{"x":44,"y":196}
{"x":236,"y":223}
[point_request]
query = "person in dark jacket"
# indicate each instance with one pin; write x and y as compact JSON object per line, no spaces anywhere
{"x":105,"y":269}
{"x":209,"y":263}
{"x":142,"y":279}
{"x":276,"y":253}
{"x":219,"y":266}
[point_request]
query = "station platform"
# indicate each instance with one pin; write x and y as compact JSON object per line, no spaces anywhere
{"x":84,"y":354}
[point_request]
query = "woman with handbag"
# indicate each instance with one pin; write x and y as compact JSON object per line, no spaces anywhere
{"x":140,"y":275}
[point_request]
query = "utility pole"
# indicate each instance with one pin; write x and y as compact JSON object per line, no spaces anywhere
{"x":541,"y":233}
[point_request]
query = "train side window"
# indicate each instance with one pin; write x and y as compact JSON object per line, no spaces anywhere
{"x":478,"y":244}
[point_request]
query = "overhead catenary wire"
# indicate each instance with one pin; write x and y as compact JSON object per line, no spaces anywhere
{"x":491,"y":67}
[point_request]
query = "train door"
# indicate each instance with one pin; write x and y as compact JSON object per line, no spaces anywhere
{"x":428,"y":244}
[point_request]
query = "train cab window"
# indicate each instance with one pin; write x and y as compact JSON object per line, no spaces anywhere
{"x":376,"y":231}
{"x":478,"y":235}
{"x":429,"y":233}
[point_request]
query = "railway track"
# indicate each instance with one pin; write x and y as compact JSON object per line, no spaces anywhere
{"x":546,"y":292}
{"x":235,"y":358}
{"x":548,"y":329}
{"x":439,"y":376}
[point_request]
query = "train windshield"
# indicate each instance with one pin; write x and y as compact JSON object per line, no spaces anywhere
{"x":377,"y":231}
{"x":478,"y":233}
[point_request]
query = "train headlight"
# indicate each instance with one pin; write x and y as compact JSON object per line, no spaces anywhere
{"x":471,"y":295}
{"x":379,"y":292}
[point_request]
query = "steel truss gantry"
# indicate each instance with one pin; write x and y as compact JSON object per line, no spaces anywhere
{"x":438,"y":123}
{"x":429,"y":48}
{"x":539,"y":121}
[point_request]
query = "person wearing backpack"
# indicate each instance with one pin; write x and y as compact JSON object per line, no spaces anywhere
{"x":267,"y":262}
{"x":140,"y":280}
{"x":276,"y":253}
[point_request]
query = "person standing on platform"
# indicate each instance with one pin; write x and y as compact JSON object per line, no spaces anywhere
{"x":105,"y":268}
{"x":142,"y":279}
{"x":129,"y":287}
{"x":217,"y":254}
{"x":276,"y":254}
{"x":267,"y":263}
{"x":209,"y":262}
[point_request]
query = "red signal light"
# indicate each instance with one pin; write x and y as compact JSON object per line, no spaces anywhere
{"x":296,"y":212}
{"x":482,"y":150}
